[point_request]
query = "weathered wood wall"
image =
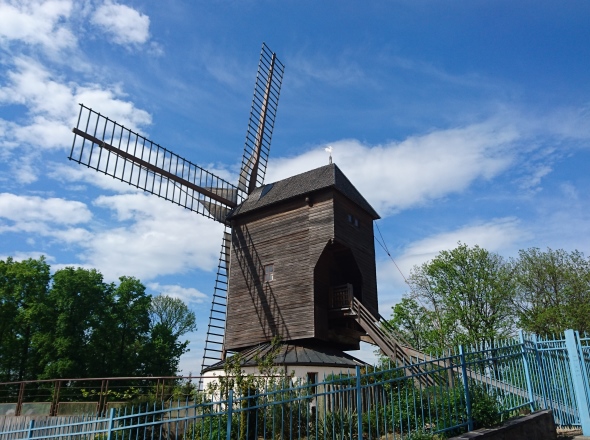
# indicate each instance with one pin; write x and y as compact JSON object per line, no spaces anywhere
{"x":292,"y":236}
{"x":258,"y":310}
{"x":360,"y":240}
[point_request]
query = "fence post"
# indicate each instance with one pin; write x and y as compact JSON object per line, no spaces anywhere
{"x":527,"y":373}
{"x":583,"y":365}
{"x":466,"y":386}
{"x":542,"y":375}
{"x":31,"y":426}
{"x":19,"y":402}
{"x":230,"y":407}
{"x":359,"y":403}
{"x":111,"y":423}
{"x":571,"y":345}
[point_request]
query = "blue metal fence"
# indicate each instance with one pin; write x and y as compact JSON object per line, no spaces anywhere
{"x":444,"y":395}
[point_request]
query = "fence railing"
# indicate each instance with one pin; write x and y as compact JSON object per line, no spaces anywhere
{"x":462,"y":388}
{"x":70,"y":397}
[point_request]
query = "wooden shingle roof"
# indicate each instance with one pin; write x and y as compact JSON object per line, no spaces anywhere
{"x":328,"y":176}
{"x":291,"y":354}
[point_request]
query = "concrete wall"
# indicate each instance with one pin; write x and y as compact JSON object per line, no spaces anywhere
{"x":299,"y":372}
{"x":536,"y":426}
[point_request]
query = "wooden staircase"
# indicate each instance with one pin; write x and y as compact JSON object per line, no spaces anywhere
{"x":398,"y":350}
{"x":391,"y":342}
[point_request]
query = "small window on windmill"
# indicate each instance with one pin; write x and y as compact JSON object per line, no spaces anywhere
{"x":269,"y":273}
{"x":353,"y":220}
{"x":265,"y":190}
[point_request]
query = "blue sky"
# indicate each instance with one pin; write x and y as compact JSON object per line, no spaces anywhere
{"x":459,"y":121}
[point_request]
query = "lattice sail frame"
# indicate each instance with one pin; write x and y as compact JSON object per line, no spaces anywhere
{"x":110,"y":148}
{"x":261,"y":123}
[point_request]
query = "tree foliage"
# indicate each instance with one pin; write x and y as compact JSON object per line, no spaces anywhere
{"x":553,"y":291}
{"x":469,"y":295}
{"x":73,"y":324}
{"x":466,"y":294}
{"x":23,"y":293}
{"x":416,"y":323}
{"x":173,"y":314}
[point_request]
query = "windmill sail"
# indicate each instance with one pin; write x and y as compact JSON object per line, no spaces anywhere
{"x":256,"y":151}
{"x":214,"y":342}
{"x":110,"y":148}
{"x":261,"y":123}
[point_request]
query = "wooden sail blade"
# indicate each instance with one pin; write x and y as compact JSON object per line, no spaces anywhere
{"x":261,"y":123}
{"x":110,"y":148}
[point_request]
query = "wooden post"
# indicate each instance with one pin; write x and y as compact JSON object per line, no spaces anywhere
{"x":19,"y":401}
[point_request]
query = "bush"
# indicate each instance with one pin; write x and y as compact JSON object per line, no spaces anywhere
{"x":485,"y":409}
{"x":422,"y":435}
{"x":209,"y":427}
{"x":136,"y":409}
{"x":338,"y":424}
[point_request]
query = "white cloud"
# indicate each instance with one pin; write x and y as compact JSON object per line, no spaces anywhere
{"x":18,"y":208}
{"x":396,"y":176}
{"x":569,"y":191}
{"x":157,"y":238}
{"x":188,"y":295}
{"x":533,"y":180}
{"x":32,"y":85}
{"x":20,"y":256}
{"x":74,"y":173}
{"x":24,"y":171}
{"x":124,"y":24}
{"x":148,"y":237}
{"x":50,"y":121}
{"x":495,"y":236}
{"x":37,"y":22}
{"x":320,"y":68}
{"x":500,"y":235}
{"x":53,"y":217}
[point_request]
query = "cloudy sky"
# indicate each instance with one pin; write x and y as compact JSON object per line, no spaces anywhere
{"x":459,"y":121}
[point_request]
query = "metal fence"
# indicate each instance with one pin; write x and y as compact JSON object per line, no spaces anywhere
{"x":95,"y":396}
{"x":444,"y":396}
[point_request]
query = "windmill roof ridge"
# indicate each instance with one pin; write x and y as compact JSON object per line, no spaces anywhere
{"x":323,"y":177}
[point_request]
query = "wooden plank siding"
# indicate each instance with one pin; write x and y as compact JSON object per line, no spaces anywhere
{"x":258,"y":310}
{"x":292,"y":236}
{"x":361,"y":241}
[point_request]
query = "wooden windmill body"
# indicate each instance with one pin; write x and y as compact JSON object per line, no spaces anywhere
{"x":301,"y":249}
{"x":298,"y":255}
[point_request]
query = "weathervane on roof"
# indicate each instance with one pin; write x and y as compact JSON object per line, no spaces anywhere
{"x":329,"y":149}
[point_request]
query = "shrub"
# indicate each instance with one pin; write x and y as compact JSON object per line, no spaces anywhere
{"x":338,"y":424}
{"x":485,"y":409}
{"x":210,"y":427}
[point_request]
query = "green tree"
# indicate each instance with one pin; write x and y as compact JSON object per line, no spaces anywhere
{"x":466,"y":293}
{"x":73,"y":325}
{"x":416,"y":323}
{"x":78,"y":307}
{"x":130,"y":326}
{"x":23,"y":293}
{"x":170,"y":318}
{"x":553,"y":291}
{"x":162,"y":352}
{"x":173,"y":314}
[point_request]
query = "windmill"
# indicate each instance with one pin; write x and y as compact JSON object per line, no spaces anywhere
{"x":297,"y":258}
